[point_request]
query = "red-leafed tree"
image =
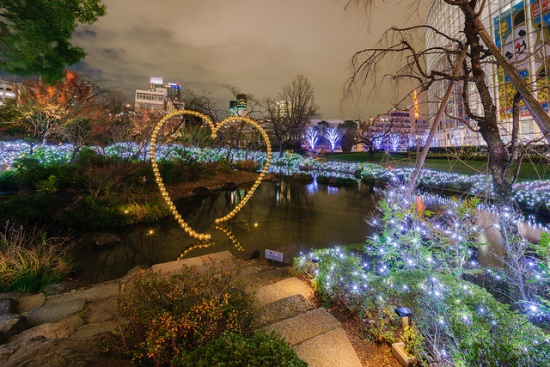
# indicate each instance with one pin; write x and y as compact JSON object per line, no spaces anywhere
{"x":54,"y":110}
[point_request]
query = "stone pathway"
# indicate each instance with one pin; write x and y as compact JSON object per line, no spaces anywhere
{"x":286,"y":307}
{"x":65,"y":328}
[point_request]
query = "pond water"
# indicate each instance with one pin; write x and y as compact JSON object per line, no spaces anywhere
{"x":278,"y":214}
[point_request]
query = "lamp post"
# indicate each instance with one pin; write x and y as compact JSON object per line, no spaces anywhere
{"x":405,"y":315}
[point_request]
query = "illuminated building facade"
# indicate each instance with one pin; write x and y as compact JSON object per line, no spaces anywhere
{"x":283,"y":109}
{"x":160,"y":96}
{"x":521,"y":29}
{"x":7,"y":91}
{"x":396,"y":130}
{"x":238,"y":107}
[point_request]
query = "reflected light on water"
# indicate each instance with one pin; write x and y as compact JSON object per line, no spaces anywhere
{"x":312,"y":187}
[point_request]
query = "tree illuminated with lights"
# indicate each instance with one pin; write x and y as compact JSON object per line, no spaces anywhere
{"x":312,"y":136}
{"x":46,"y":110}
{"x":333,"y":135}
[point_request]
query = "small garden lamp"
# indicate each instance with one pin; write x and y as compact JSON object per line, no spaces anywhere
{"x":315,"y":261}
{"x":405,"y":315}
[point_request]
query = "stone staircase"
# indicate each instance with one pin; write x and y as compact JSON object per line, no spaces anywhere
{"x":65,"y":328}
{"x":286,"y":308}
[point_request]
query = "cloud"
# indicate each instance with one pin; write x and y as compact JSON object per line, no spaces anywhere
{"x":257,"y":45}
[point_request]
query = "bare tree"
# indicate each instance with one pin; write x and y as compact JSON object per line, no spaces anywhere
{"x":200,"y":102}
{"x":468,"y":57}
{"x":292,"y":111}
{"x":400,"y":42}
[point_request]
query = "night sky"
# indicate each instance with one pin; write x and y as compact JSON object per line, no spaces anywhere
{"x":256,"y":45}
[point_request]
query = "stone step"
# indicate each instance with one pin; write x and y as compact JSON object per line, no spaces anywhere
{"x":254,"y":277}
{"x":283,"y":309}
{"x":222,"y":260}
{"x":329,"y":349}
{"x":282,"y":289}
{"x":304,"y":326}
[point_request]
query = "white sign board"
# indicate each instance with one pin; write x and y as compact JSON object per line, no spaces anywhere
{"x":274,"y":255}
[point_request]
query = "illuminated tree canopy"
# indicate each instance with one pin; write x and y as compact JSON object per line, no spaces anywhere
{"x":35,"y":35}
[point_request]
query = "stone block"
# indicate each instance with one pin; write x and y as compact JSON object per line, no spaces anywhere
{"x":8,"y":305}
{"x":96,"y":292}
{"x":305,"y":326}
{"x":283,"y":309}
{"x":11,"y":324}
{"x":330,"y":349}
{"x":28,"y":303}
{"x":61,"y":329}
{"x":174,"y":267}
{"x":402,"y":356}
{"x":90,"y":330}
{"x":56,"y":311}
{"x":282,"y":289}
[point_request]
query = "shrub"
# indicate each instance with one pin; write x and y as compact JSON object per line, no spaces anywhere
{"x":8,"y":180}
{"x":248,"y":165}
{"x":29,"y":260}
{"x":49,"y":185}
{"x":461,"y":324}
{"x":236,"y":350}
{"x":160,"y":318}
{"x":25,"y":208}
{"x":149,"y":211}
{"x":340,"y":181}
{"x":30,"y":171}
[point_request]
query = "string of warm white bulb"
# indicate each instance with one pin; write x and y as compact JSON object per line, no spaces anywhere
{"x":215,"y":128}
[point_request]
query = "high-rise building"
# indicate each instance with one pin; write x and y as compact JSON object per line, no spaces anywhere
{"x":283,"y":109}
{"x":521,"y":29}
{"x":7,"y":91}
{"x":159,"y":96}
{"x":238,"y":107}
{"x":396,"y":130}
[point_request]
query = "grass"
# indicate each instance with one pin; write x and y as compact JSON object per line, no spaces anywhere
{"x":529,"y":170}
{"x":29,"y":260}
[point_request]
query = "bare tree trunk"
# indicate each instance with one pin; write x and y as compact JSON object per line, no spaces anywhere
{"x":499,"y":158}
{"x":422,"y":157}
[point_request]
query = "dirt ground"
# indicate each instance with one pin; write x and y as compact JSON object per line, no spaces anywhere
{"x":370,"y":353}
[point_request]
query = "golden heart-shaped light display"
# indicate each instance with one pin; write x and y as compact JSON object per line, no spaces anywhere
{"x":215,"y":129}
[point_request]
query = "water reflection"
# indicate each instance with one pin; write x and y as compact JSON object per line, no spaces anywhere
{"x":278,"y":214}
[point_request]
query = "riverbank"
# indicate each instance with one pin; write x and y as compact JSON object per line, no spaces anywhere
{"x":221,"y":181}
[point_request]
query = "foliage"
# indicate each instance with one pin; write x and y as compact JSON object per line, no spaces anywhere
{"x":8,"y":180}
{"x":461,"y":323}
{"x":348,"y":139}
{"x":413,"y":237}
{"x":160,"y":318}
{"x":36,"y":35}
{"x":8,"y":112}
{"x":49,"y":110}
{"x":416,"y":261}
{"x":27,"y":208}
{"x":30,"y":260}
{"x":48,"y":185}
{"x":413,"y":340}
{"x":235,"y":350}
{"x":291,"y":111}
{"x":248,"y":165}
{"x":336,"y":181}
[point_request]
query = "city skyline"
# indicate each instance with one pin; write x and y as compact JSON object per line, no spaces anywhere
{"x":255,"y":48}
